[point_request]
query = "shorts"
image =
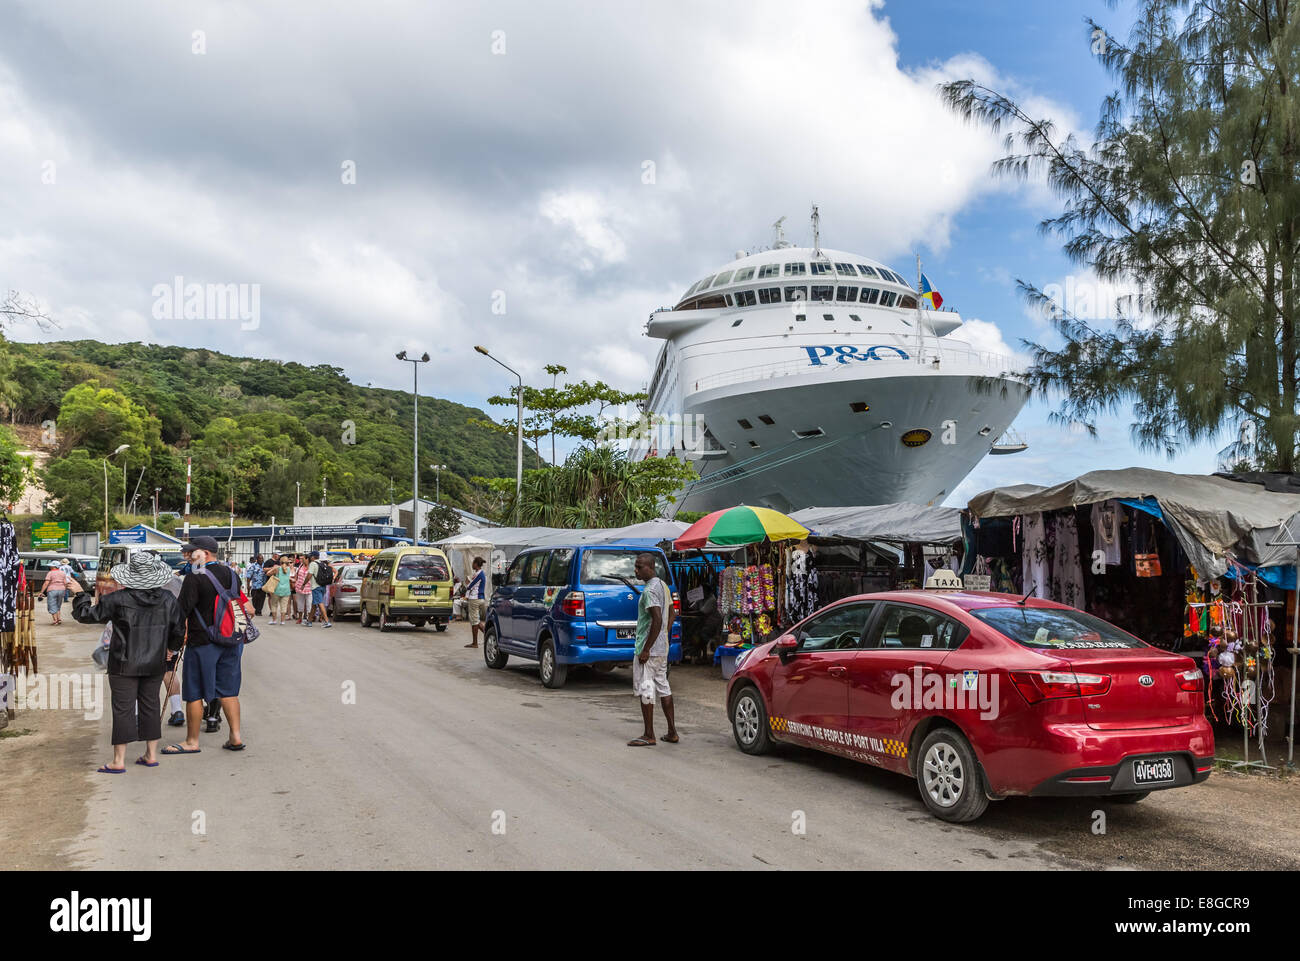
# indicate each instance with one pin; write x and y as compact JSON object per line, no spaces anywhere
{"x":318,"y":595}
{"x":477,"y":608}
{"x":211,"y":671}
{"x":54,"y":601}
{"x":302,"y":603}
{"x":650,"y":678}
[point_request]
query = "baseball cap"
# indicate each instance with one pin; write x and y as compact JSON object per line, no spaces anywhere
{"x":208,"y":544}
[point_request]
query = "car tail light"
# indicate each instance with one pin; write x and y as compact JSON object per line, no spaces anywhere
{"x":677,"y":605}
{"x":574,"y":604}
{"x":348,"y":589}
{"x":1035,"y":686}
{"x":1190,"y":680}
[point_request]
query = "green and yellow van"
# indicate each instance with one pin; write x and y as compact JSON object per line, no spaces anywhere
{"x":411,"y":584}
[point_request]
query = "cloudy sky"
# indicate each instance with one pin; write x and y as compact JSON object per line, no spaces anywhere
{"x":387,"y":172}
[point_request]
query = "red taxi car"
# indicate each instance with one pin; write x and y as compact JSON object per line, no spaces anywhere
{"x":978,"y":696}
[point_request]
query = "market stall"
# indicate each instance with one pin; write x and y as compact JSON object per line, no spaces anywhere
{"x":1191,"y":563}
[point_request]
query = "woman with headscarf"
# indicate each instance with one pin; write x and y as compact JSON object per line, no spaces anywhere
{"x":148,"y":630}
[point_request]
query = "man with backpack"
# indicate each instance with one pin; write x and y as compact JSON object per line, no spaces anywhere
{"x":322,"y":576}
{"x":214,"y":644}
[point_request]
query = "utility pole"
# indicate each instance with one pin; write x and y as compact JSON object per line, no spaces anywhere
{"x":415,"y":363}
{"x":519,"y":432}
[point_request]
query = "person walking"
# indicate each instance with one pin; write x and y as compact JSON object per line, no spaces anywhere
{"x":212,"y":671}
{"x":55,"y":588}
{"x":148,"y":630}
{"x":256,"y":581}
{"x":475,"y":601}
{"x":302,"y":591}
{"x":279,"y":586}
{"x":322,"y":576}
{"x":650,"y":664}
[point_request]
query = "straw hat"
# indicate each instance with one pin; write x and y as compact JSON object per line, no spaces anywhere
{"x":142,"y":571}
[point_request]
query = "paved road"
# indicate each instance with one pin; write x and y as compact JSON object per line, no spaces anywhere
{"x":437,"y":750}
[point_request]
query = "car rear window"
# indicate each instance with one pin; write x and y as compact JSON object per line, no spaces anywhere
{"x":1048,"y":629}
{"x":422,"y":567}
{"x":609,"y":567}
{"x":353,"y":572}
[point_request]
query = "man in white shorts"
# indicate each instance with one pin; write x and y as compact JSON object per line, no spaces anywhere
{"x":650,"y":665}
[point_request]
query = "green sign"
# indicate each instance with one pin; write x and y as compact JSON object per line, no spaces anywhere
{"x":51,"y":536}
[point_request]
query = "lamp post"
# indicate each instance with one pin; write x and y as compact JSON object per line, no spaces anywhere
{"x":156,"y":492}
{"x":519,"y":431}
{"x":298,"y":486}
{"x":437,"y":481}
{"x":415,"y":363}
{"x":114,"y":454}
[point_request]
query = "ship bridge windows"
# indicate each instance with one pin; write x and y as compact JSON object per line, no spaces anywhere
{"x":796,"y":270}
{"x":769,"y":295}
{"x":870,"y":295}
{"x":722,"y":278}
{"x":908,"y":302}
{"x":823,"y":292}
{"x":887,"y":298}
{"x":819,"y":269}
{"x":846,"y":269}
{"x":795,"y":293}
{"x":866,"y":271}
{"x":746,"y":298}
{"x":769,"y":270}
{"x":743,"y":275}
{"x":846,"y":293}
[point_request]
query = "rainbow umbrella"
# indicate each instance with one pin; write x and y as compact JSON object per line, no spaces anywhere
{"x":740,"y":525}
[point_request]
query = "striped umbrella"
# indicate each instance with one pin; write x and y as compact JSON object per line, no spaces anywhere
{"x":740,"y":525}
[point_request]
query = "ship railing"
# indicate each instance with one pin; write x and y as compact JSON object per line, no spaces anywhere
{"x":991,"y":362}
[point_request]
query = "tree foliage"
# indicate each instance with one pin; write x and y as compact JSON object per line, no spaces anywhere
{"x":16,"y":471}
{"x":75,"y":484}
{"x":1190,"y":191}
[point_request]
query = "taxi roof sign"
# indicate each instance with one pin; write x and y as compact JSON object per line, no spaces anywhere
{"x":943,"y":580}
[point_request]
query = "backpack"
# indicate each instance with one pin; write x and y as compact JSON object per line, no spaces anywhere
{"x":230,"y":625}
{"x":324,"y":574}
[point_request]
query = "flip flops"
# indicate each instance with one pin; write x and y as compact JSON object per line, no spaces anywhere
{"x":641,"y":742}
{"x":670,"y":738}
{"x":105,"y":769}
{"x":171,"y":749}
{"x":233,"y":747}
{"x":141,"y":761}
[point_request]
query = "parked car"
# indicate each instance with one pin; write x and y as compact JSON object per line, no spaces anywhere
{"x":563,"y":606}
{"x":978,"y":696}
{"x":345,"y":592}
{"x":118,"y":553}
{"x":38,"y":563}
{"x":411,"y":584}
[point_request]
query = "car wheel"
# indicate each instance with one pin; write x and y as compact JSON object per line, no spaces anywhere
{"x":949,"y":776}
{"x":384,"y":622}
{"x":1128,"y":798}
{"x":493,"y":656}
{"x":553,"y":672}
{"x":749,"y":722}
{"x":366,"y":619}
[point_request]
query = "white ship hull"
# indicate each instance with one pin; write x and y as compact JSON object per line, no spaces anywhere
{"x":834,"y":402}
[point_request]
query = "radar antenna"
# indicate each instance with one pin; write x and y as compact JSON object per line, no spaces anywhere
{"x":778,"y":235}
{"x":817,"y":230}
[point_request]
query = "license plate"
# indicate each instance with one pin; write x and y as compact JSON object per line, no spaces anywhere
{"x":422,"y":591}
{"x":625,"y":633}
{"x":1158,"y":770}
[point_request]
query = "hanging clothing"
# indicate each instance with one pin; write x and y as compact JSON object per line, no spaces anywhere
{"x":1067,"y":579}
{"x":1034,"y":560}
{"x":801,"y":586}
{"x":10,"y":570}
{"x":1106,"y":518}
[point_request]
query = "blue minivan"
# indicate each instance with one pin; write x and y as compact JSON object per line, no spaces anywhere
{"x":573,"y":605}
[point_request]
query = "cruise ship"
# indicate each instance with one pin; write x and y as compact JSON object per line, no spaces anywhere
{"x":807,"y":377}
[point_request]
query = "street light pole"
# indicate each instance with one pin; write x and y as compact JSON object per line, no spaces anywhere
{"x":156,"y":492}
{"x":114,"y":454}
{"x":519,"y":432}
{"x":437,"y":480}
{"x":415,"y":363}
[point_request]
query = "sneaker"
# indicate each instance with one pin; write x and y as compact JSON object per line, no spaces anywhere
{"x":177,"y":719}
{"x":213,"y":725}
{"x":328,"y":624}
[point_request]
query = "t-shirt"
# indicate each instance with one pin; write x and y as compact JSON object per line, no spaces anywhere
{"x":198,"y":596}
{"x":302,"y":582}
{"x":474,"y":591}
{"x":654,"y":594}
{"x":280,"y":583}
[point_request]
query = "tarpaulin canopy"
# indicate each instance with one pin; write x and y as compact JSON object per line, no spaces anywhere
{"x":909,"y":523}
{"x":1210,"y":516}
{"x":510,"y":541}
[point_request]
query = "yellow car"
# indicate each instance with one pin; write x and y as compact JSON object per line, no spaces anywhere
{"x":411,"y":584}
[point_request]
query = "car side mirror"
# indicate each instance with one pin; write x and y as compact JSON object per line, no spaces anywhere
{"x":785,"y":645}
